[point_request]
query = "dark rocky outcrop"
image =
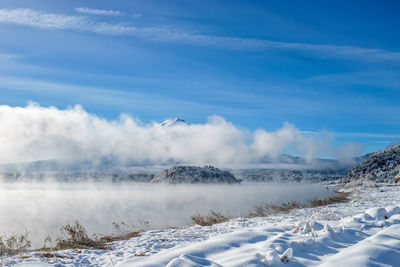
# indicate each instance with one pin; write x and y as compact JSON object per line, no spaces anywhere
{"x":194,"y":174}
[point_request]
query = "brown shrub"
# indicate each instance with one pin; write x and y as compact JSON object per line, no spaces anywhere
{"x":212,"y":218}
{"x":14,"y":244}
{"x":112,"y":238}
{"x":53,"y":255}
{"x":340,"y":197}
{"x":269,"y":209}
{"x":75,"y":236}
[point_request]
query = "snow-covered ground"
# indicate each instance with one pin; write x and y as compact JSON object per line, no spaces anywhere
{"x":363,"y":232}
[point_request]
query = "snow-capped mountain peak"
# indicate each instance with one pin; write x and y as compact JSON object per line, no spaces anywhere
{"x":174,"y":122}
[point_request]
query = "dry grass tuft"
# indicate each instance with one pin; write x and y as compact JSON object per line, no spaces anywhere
{"x":174,"y":227}
{"x":14,"y":244}
{"x":140,"y":254}
{"x":76,"y":237}
{"x":340,"y":197}
{"x":112,"y":238}
{"x":285,"y":207}
{"x":24,"y":257}
{"x":53,"y":255}
{"x":213,"y":218}
{"x":269,"y":209}
{"x":122,"y":233}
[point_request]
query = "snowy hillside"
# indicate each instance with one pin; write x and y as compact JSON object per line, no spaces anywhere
{"x":382,"y":166}
{"x":174,"y":122}
{"x":296,"y":174}
{"x":363,"y":232}
{"x":194,"y":174}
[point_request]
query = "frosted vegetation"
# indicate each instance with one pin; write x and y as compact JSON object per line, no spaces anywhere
{"x":382,"y":166}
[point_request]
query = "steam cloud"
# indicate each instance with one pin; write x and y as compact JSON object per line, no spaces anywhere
{"x":38,"y":133}
{"x":347,"y":151}
{"x":41,"y":208}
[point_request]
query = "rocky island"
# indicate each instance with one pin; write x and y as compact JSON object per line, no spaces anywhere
{"x":195,"y":174}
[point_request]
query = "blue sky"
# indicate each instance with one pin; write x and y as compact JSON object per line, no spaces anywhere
{"x":321,"y":65}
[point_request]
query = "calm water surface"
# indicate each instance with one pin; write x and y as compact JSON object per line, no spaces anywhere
{"x":41,"y":208}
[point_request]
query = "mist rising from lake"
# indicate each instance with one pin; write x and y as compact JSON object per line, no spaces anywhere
{"x":41,"y":208}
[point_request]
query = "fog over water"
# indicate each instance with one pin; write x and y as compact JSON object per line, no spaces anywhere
{"x":41,"y":208}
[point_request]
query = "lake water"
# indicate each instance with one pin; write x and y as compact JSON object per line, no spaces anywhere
{"x":41,"y":208}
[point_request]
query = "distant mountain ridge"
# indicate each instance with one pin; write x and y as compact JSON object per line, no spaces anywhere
{"x":174,"y":122}
{"x":283,"y":168}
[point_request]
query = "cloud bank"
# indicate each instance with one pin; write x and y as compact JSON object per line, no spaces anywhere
{"x":34,"y":133}
{"x":53,"y":21}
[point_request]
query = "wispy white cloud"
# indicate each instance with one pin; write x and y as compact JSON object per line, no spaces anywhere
{"x":38,"y":19}
{"x":101,"y":12}
{"x":369,"y":135}
{"x":136,"y":15}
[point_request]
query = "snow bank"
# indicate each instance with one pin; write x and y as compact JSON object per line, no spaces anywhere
{"x":380,"y":249}
{"x":191,"y":261}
